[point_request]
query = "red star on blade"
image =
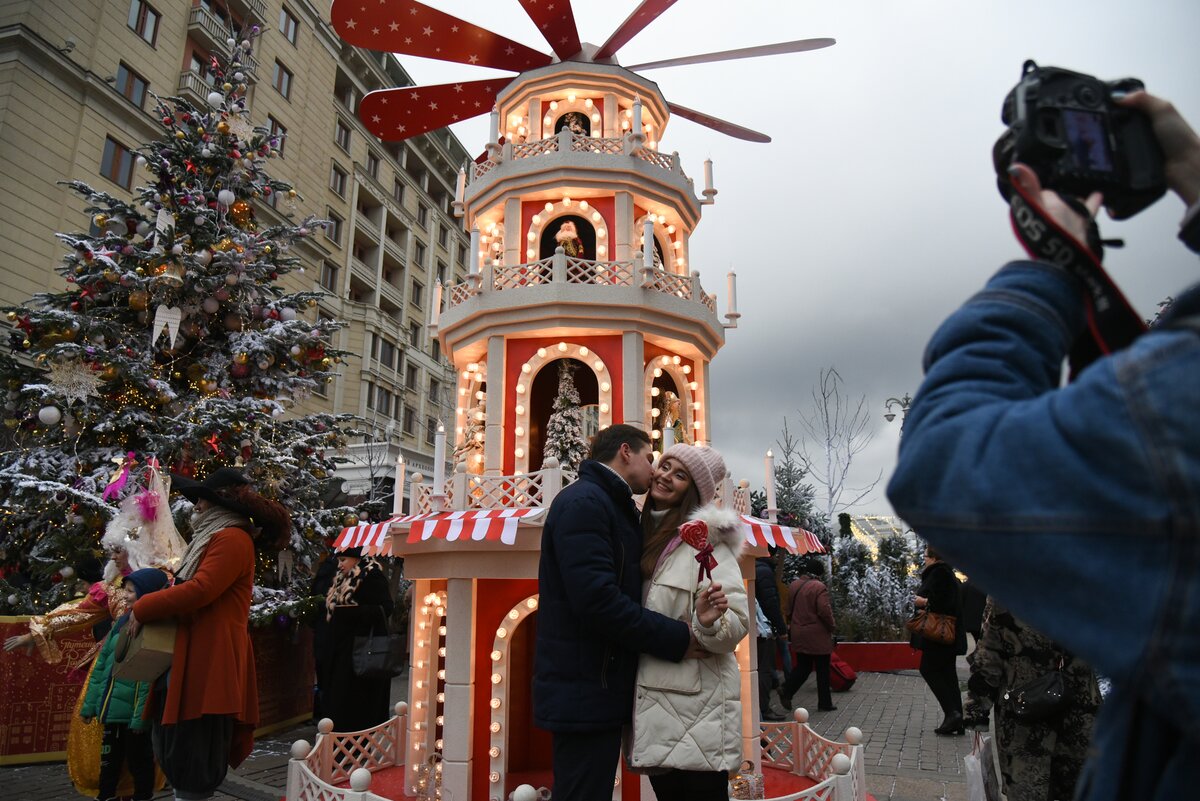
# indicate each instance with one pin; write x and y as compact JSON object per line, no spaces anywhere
{"x":394,"y":114}
{"x":430,"y":33}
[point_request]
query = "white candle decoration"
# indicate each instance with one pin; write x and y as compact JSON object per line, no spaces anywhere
{"x":708,"y":181}
{"x":494,"y":126}
{"x":439,"y":460}
{"x":461,"y":189}
{"x":770,"y":465}
{"x":668,"y":437}
{"x":398,"y":491}
{"x":732,"y":291}
{"x":435,"y":313}
{"x":473,"y":261}
{"x":637,"y":115}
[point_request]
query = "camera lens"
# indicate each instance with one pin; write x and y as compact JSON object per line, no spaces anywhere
{"x":1088,"y":95}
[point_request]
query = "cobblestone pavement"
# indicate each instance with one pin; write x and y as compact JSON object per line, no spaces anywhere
{"x":905,"y":760}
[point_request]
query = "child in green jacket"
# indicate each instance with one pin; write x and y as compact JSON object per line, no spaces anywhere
{"x":118,"y":704}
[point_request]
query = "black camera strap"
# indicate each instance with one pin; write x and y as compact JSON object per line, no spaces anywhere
{"x":1112,"y":323}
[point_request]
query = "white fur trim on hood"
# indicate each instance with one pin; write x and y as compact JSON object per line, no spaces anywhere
{"x":724,"y":527}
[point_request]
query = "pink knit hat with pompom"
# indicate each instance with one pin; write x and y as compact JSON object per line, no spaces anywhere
{"x":705,"y":466}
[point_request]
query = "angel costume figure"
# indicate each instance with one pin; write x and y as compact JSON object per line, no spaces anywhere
{"x":141,"y":534}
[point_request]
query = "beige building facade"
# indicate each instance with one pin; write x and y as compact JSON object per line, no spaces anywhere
{"x":77,"y":79}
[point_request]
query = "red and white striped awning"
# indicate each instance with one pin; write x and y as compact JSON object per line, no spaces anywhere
{"x":471,"y":525}
{"x":796,"y":540}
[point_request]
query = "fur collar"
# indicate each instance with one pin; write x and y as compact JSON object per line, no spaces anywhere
{"x":724,"y":527}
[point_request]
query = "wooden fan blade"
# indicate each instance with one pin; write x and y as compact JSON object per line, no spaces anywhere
{"x":556,"y":22}
{"x":395,"y":114}
{"x":415,"y":29}
{"x":717,"y":124}
{"x":798,"y":46}
{"x":646,"y":12}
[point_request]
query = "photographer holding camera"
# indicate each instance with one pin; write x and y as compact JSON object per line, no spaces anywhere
{"x":1078,"y":506}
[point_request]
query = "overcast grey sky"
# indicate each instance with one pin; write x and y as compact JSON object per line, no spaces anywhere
{"x":873,"y":213}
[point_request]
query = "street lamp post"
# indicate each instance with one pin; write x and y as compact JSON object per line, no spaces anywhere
{"x":902,"y":403}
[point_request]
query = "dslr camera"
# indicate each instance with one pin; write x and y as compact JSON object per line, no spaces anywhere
{"x":1065,"y":126}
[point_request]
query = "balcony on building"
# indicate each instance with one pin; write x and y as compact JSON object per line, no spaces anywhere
{"x":212,"y":27}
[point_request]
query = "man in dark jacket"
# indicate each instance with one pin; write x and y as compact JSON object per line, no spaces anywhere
{"x":591,"y":624}
{"x":766,"y":595}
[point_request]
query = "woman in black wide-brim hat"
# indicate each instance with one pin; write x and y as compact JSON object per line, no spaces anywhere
{"x":358,"y":604}
{"x":205,"y":715}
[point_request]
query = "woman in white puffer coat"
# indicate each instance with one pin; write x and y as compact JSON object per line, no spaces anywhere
{"x":687,"y":722}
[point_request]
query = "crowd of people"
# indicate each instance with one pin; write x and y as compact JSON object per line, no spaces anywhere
{"x":641,"y":610}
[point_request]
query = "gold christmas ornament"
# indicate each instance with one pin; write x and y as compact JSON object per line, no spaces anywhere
{"x":138,"y":300}
{"x":12,"y":316}
{"x":222,"y":127}
{"x":228,"y":87}
{"x":266,"y":248}
{"x":224,"y":244}
{"x":240,"y":212}
{"x":350,"y":520}
{"x":241,"y":358}
{"x":180,"y":135}
{"x":100,"y":220}
{"x":291,"y":193}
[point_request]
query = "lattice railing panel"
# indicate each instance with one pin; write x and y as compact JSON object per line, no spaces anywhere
{"x":609,"y":145}
{"x":710,"y":301}
{"x":313,"y":789}
{"x":529,"y":149}
{"x":741,"y":501}
{"x":816,"y":753}
{"x":671,"y":284}
{"x":520,"y":275}
{"x":500,"y":492}
{"x":654,"y":157}
{"x":776,"y":744}
{"x":461,"y":292}
{"x":372,"y":749}
{"x":424,"y":496}
{"x":483,"y":168}
{"x":583,"y":271}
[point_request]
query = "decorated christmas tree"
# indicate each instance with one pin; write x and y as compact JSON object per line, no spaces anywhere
{"x":564,"y":431}
{"x":172,"y":340}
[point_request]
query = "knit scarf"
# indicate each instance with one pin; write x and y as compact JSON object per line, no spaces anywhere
{"x":204,"y":526}
{"x":346,"y":584}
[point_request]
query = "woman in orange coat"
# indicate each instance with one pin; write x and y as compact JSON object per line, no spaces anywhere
{"x":205,"y":717}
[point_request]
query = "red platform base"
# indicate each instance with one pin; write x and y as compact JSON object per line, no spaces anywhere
{"x":389,"y":782}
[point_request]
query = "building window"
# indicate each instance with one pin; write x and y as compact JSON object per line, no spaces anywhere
{"x":289,"y":26}
{"x":278,"y":134}
{"x":383,"y":400}
{"x":117,"y":163}
{"x":435,"y":391}
{"x":132,"y":85}
{"x":369,"y":389}
{"x":333,"y":229}
{"x":372,"y":165}
{"x":422,"y":215}
{"x":443,"y":235}
{"x":441,"y":271}
{"x":337,"y":180}
{"x":387,"y":353}
{"x":414,"y":335}
{"x":329,"y":276}
{"x":282,"y":80}
{"x":410,"y":420}
{"x":411,"y":376}
{"x":414,"y":297}
{"x":398,"y":190}
{"x":430,"y":430}
{"x":435,"y":350}
{"x":341,"y":135}
{"x":419,"y":255}
{"x":200,"y":66}
{"x":143,"y":20}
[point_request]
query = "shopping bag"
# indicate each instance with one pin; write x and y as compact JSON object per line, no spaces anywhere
{"x":147,"y":655}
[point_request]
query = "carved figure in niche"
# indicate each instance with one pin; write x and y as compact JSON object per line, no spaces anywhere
{"x":576,"y":123}
{"x":568,"y":238}
{"x":471,"y":445}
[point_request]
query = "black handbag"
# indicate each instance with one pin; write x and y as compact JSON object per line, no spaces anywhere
{"x":1039,"y":699}
{"x":378,"y":655}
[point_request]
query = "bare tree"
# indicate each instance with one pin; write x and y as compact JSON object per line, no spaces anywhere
{"x":836,"y":430}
